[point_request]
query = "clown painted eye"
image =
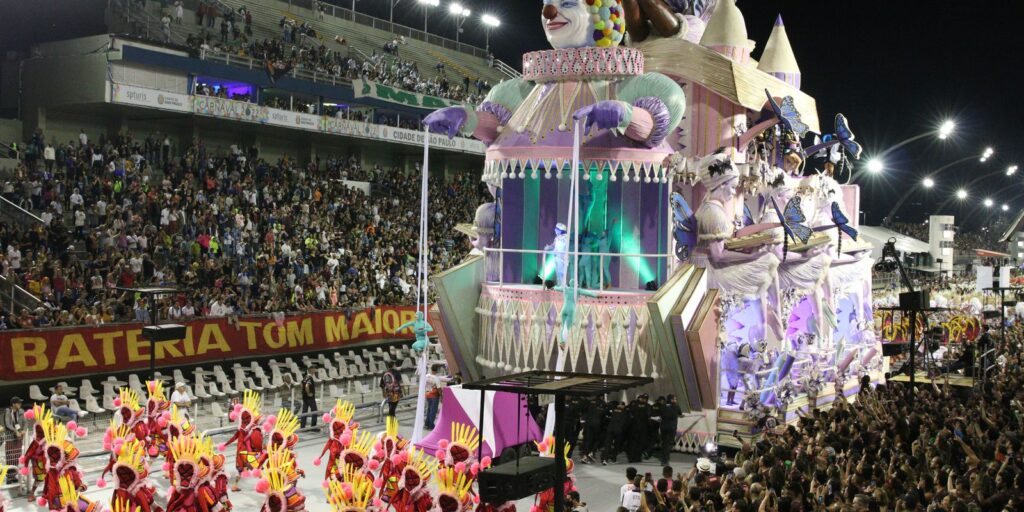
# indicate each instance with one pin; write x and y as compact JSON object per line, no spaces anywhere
{"x":569,"y":4}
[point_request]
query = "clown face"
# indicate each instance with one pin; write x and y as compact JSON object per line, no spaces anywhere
{"x":567,"y":23}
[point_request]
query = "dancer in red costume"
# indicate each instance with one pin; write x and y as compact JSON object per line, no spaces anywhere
{"x":157,"y":416}
{"x":455,"y":491}
{"x":280,"y":430}
{"x":356,"y":496}
{"x":357,"y":464}
{"x":193,"y":492}
{"x":279,"y":482}
{"x":34,"y":459}
{"x":546,"y":499}
{"x":248,"y":437}
{"x":131,"y":478}
{"x":412,"y":494}
{"x":70,"y":501}
{"x":177,"y":425}
{"x":390,"y":452}
{"x":61,"y":455}
{"x":339,"y":435}
{"x":131,"y":414}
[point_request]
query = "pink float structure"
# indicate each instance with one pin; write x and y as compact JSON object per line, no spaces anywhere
{"x":753,"y":302}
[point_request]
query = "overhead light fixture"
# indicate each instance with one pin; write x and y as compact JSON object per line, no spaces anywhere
{"x":961,"y":194}
{"x":928,"y":182}
{"x":490,"y":21}
{"x":946,"y":129}
{"x":989,"y":202}
{"x":875,"y":166}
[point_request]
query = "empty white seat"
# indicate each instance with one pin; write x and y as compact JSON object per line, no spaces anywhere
{"x":216,"y":410}
{"x":200,"y":388}
{"x":93,"y":407}
{"x":86,"y":389}
{"x":108,"y":402}
{"x":36,"y":394}
{"x":211,"y":388}
{"x":179,"y":377}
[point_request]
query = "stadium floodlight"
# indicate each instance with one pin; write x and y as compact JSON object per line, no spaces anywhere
{"x":989,"y":202}
{"x":946,"y":129}
{"x":1011,"y":170}
{"x":458,"y":10}
{"x":490,"y":21}
{"x":961,"y":194}
{"x":430,"y":3}
{"x":875,"y":166}
{"x":1006,"y":207}
{"x":928,"y":183}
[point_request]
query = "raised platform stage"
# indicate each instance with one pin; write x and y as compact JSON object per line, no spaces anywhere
{"x":955,"y":380}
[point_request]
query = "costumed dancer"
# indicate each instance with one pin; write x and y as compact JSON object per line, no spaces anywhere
{"x":131,"y":480}
{"x":216,"y":478}
{"x":459,"y":452}
{"x":454,"y":491}
{"x":356,"y":459}
{"x":389,"y":452}
{"x":545,"y":501}
{"x":131,"y":414}
{"x":157,"y":415}
{"x":61,"y":455}
{"x":70,"y":501}
{"x":279,"y":482}
{"x":34,"y":459}
{"x":339,"y":435}
{"x":281,"y":435}
{"x":248,"y":437}
{"x":412,"y":494}
{"x":558,"y":251}
{"x":177,"y":425}
{"x":113,"y":438}
{"x":355,"y":496}
{"x":422,"y":330}
{"x":193,"y":492}
{"x":3,"y":478}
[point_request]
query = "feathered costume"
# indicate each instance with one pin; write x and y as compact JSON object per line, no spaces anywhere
{"x":454,"y":491}
{"x":546,"y":499}
{"x":177,"y":425}
{"x":412,"y":494}
{"x":157,"y":417}
{"x":61,"y":455}
{"x":34,"y":459}
{"x":281,"y":430}
{"x":70,"y":501}
{"x":356,"y":458}
{"x":131,"y":478}
{"x":279,"y":482}
{"x":193,"y":493}
{"x":389,"y":452}
{"x":352,"y":496}
{"x":132,"y":415}
{"x":339,"y":435}
{"x":249,"y":437}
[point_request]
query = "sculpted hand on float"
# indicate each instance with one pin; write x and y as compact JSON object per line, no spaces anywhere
{"x":645,"y":121}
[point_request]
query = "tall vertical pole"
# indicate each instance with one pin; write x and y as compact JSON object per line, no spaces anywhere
{"x":559,"y":487}
{"x":913,"y":346}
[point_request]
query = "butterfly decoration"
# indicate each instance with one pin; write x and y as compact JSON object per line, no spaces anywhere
{"x":684,"y":227}
{"x":788,"y":115}
{"x":792,"y":224}
{"x":842,"y":224}
{"x":846,"y":137}
{"x":748,"y":218}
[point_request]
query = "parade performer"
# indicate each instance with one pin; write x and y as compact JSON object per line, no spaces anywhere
{"x":61,"y":456}
{"x":422,"y":330}
{"x":339,"y":435}
{"x":131,"y":414}
{"x":454,"y":491}
{"x":279,"y":482}
{"x":546,"y":499}
{"x":177,"y":425}
{"x":34,"y":459}
{"x":216,"y":477}
{"x":459,"y":452}
{"x":193,"y":493}
{"x":356,"y":457}
{"x":389,"y":452}
{"x":356,"y":496}
{"x":131,"y":477}
{"x":281,"y":434}
{"x":113,"y":438}
{"x":70,"y":500}
{"x":3,"y":478}
{"x":156,"y":417}
{"x":412,"y":494}
{"x":248,"y":437}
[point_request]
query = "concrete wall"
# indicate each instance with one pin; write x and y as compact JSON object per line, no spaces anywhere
{"x":941,"y":231}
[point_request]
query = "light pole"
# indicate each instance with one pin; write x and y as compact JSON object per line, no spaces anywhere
{"x":1010,"y":171}
{"x":928,"y":183}
{"x":427,"y":4}
{"x":942,"y":133}
{"x":987,"y":151}
{"x":490,"y":22}
{"x":460,"y":13}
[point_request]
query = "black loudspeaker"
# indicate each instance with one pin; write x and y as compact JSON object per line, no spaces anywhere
{"x":509,"y":481}
{"x":916,"y":301}
{"x":893,"y":349}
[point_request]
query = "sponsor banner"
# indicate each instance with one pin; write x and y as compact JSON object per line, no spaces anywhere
{"x":290,"y":119}
{"x":42,"y":354}
{"x":229,"y":109}
{"x":415,"y":138}
{"x":368,"y":89}
{"x":131,"y":95}
{"x":339,"y":126}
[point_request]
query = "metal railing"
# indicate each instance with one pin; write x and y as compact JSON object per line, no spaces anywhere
{"x":574,"y":255}
{"x":19,"y":214}
{"x":18,"y":298}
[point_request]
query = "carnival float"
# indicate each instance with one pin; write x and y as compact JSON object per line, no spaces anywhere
{"x":664,"y":205}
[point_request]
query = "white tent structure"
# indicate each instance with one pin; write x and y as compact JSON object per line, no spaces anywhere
{"x":879,"y":236}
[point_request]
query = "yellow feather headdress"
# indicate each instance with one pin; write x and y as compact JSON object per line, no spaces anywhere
{"x":279,"y":471}
{"x":186,"y":448}
{"x":129,"y":398}
{"x":361,"y":443}
{"x":343,"y":496}
{"x":391,"y":426}
{"x":252,"y":401}
{"x":465,"y":435}
{"x":287,"y":424}
{"x":133,"y":455}
{"x":118,"y":430}
{"x":156,"y":389}
{"x":68,"y":492}
{"x":420,"y":462}
{"x":344,"y":411}
{"x":123,"y":505}
{"x":55,"y":434}
{"x":42,"y":415}
{"x":453,"y":482}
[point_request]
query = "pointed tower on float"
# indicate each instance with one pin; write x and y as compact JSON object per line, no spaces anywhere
{"x":778,"y":59}
{"x":726,"y":32}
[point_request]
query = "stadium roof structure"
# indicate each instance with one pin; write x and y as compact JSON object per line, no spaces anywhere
{"x":878,"y":236}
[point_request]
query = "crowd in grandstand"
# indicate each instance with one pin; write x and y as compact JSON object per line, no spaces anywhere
{"x":965,"y":241}
{"x":236,"y":233}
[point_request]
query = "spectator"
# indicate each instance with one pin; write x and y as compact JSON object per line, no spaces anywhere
{"x":14,"y":429}
{"x":391,"y":387}
{"x":309,"y":396}
{"x":60,"y":404}
{"x":179,"y":11}
{"x":433,"y":396}
{"x":181,"y":398}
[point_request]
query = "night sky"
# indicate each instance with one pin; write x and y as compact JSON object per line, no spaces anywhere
{"x":896,"y":68}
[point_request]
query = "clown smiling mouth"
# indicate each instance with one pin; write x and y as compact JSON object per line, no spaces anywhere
{"x":555,"y":24}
